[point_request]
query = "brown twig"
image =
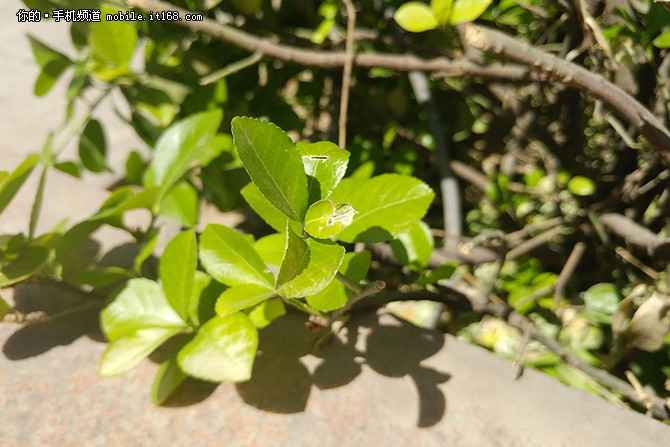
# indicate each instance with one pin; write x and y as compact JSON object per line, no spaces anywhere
{"x":346,"y":74}
{"x":568,"y":270}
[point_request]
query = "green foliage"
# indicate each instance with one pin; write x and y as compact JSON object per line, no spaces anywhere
{"x":417,"y":16}
{"x":206,"y":297}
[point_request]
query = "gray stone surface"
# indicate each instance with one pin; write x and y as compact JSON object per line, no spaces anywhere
{"x":383,"y":382}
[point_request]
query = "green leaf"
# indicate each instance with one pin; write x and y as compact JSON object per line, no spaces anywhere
{"x":52,"y":63}
{"x":325,"y":219}
{"x":168,"y":378}
{"x":467,"y":10}
{"x":389,"y":203}
{"x":231,"y":259}
{"x":441,"y":10}
{"x":663,"y":40}
{"x":134,"y":168}
{"x":240,"y":297}
{"x":141,"y":304}
{"x":273,"y":163}
{"x":295,"y":259}
{"x":113,"y":41}
{"x":181,"y":204}
{"x":354,"y":266}
{"x":203,"y":298}
{"x":439,"y":273}
{"x":92,"y":147}
{"x":177,"y":271}
{"x":581,"y":186}
{"x":101,"y":277}
{"x":603,"y":296}
{"x":182,"y":144}
{"x":262,"y":206}
{"x":266,"y":312}
{"x":146,"y":250}
{"x":127,"y":352}
{"x":12,"y":183}
{"x":124,"y":199}
{"x":307,"y":267}
{"x":5,"y":308}
{"x":271,"y":248}
{"x":68,"y":167}
{"x":415,"y":17}
{"x":29,"y":262}
{"x":414,"y":247}
{"x":223,"y":349}
{"x":325,"y":165}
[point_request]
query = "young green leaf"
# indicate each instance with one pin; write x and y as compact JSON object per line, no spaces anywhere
{"x":414,"y":246}
{"x":52,"y":63}
{"x":231,"y":259}
{"x":113,"y":41}
{"x":203,"y":298}
{"x":295,"y":259}
{"x":273,"y":163}
{"x":14,"y":181}
{"x":467,"y":10}
{"x":240,"y":297}
{"x":354,"y":266}
{"x":102,"y":277}
{"x":266,"y":312}
{"x":387,"y":206}
{"x":136,"y":322}
{"x":603,"y":297}
{"x":140,"y":305}
{"x":127,"y":352}
{"x":325,"y":165}
{"x":581,"y":186}
{"x":325,"y":219}
{"x":92,"y":147}
{"x":28,"y":262}
{"x":182,"y":144}
{"x":223,"y":349}
{"x":441,"y":10}
{"x":416,"y":17}
{"x":4,"y":308}
{"x":271,"y":248}
{"x":262,"y":206}
{"x":181,"y":204}
{"x":177,"y":271}
{"x":168,"y":378}
{"x":307,"y":267}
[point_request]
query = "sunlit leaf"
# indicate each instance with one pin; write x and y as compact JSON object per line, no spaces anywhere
{"x":177,"y":271}
{"x":416,"y":17}
{"x":231,"y":259}
{"x":581,"y":186}
{"x":241,"y":297}
{"x":467,"y":10}
{"x":273,"y":163}
{"x":266,"y":312}
{"x":308,"y":266}
{"x":354,"y":266}
{"x":387,"y":206}
{"x":325,"y":165}
{"x":223,"y":349}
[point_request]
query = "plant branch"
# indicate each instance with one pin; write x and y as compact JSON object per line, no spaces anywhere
{"x":346,"y":74}
{"x":554,"y":69}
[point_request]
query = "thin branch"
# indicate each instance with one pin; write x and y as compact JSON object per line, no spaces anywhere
{"x":532,"y":244}
{"x":346,"y":75}
{"x":568,"y":270}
